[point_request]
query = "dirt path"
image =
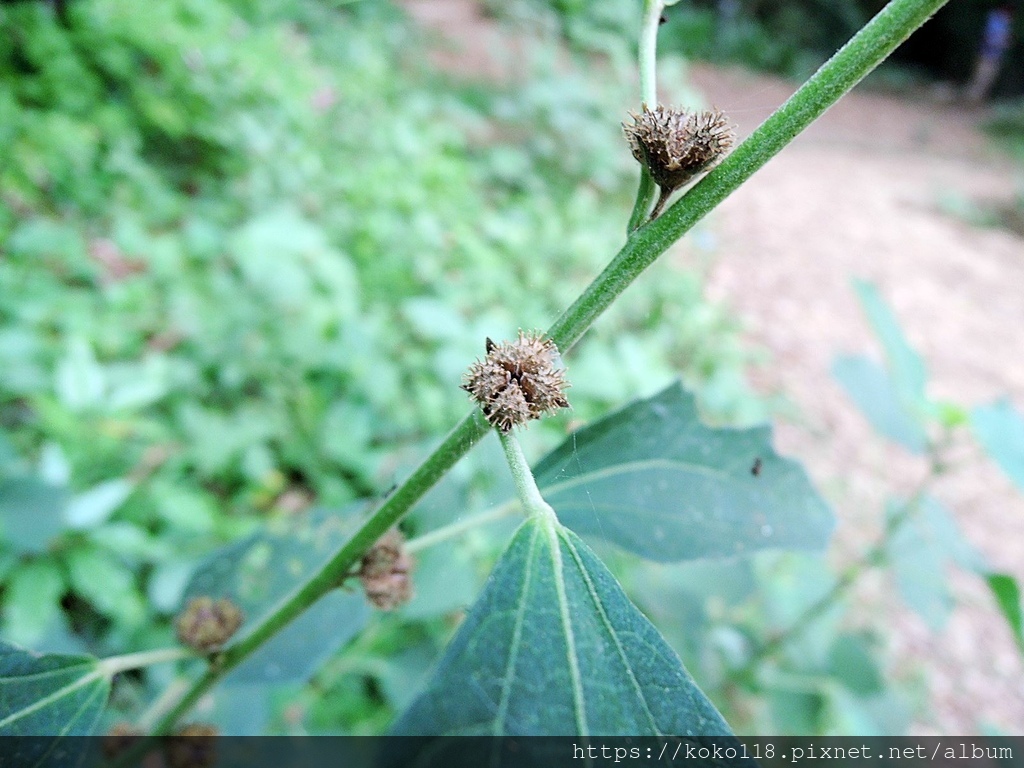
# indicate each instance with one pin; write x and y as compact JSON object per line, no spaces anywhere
{"x":858,"y":195}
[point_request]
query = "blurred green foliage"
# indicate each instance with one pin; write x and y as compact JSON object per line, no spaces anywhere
{"x":246,"y":251}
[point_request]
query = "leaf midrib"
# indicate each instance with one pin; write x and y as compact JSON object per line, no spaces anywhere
{"x":551,"y":528}
{"x":634,"y":466}
{"x":60,"y":693}
{"x":610,"y":629}
{"x":508,"y":678}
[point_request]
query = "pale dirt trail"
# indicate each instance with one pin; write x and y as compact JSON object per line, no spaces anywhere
{"x":857,"y":195}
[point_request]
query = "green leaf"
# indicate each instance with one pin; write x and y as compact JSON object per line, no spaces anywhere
{"x":30,"y":512}
{"x":49,"y":694}
{"x":80,"y":381}
{"x":95,"y":506}
{"x":554,"y":647}
{"x":872,"y":390}
{"x":905,"y":365}
{"x":32,"y":601}
{"x":655,"y":480}
{"x":107,"y":583}
{"x":852,"y":663}
{"x":258,"y":572}
{"x":1000,"y":428}
{"x":919,"y":560}
{"x":1007,"y":594}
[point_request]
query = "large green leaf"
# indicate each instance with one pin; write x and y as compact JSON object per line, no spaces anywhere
{"x":1000,"y":428}
{"x":871,"y":388}
{"x":554,"y":647}
{"x":655,"y":480}
{"x":258,"y":572}
{"x":904,"y":364}
{"x":49,"y":694}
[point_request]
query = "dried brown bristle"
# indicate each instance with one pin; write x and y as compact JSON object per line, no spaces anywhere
{"x":386,"y":572}
{"x":206,"y":624}
{"x":675,"y":145}
{"x":517,"y":380}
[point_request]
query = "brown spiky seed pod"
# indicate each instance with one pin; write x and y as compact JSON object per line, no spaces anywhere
{"x":676,"y":145}
{"x":192,"y":746}
{"x":206,"y":624}
{"x":518,"y":380}
{"x":386,"y":572}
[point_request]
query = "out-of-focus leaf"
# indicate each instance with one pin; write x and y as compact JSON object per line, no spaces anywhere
{"x":96,"y":505}
{"x":653,"y":479}
{"x":851,"y":662}
{"x":1006,"y":591}
{"x":32,"y":601}
{"x":554,"y":647}
{"x":905,"y":365}
{"x":260,"y":571}
{"x":872,"y":390}
{"x":795,"y":709}
{"x":1000,"y":428}
{"x":107,"y":583}
{"x":30,"y":512}
{"x":445,"y":581}
{"x":80,"y":382}
{"x":49,"y":695}
{"x":919,"y":559}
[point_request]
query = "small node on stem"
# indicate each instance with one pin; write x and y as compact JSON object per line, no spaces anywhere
{"x":192,"y":746}
{"x":518,"y":380}
{"x":386,"y":572}
{"x":206,"y":624}
{"x":119,"y":739}
{"x":675,"y":145}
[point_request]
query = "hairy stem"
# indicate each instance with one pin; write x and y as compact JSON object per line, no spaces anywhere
{"x":837,"y":76}
{"x":648,"y":95}
{"x":115,"y":664}
{"x":526,"y":486}
{"x":843,"y":71}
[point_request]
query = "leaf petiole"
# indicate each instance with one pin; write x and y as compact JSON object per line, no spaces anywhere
{"x":526,"y":485}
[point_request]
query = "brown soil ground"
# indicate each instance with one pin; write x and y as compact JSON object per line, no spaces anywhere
{"x":858,"y":195}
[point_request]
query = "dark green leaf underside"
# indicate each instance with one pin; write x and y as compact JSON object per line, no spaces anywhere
{"x":655,"y":480}
{"x":261,"y":571}
{"x":49,"y":694}
{"x":554,"y":647}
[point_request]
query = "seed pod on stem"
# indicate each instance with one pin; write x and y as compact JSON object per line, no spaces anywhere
{"x":675,"y":145}
{"x":518,"y":380}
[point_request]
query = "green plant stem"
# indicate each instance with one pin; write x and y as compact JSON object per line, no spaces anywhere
{"x":648,"y":64}
{"x":843,"y":71}
{"x":837,"y":76}
{"x":115,"y":664}
{"x":526,"y":486}
{"x":167,"y":699}
{"x":461,"y":526}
